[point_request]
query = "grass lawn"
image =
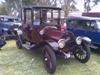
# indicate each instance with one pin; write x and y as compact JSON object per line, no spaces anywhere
{"x":25,"y":62}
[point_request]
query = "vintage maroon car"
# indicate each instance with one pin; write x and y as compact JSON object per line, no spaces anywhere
{"x":39,"y":29}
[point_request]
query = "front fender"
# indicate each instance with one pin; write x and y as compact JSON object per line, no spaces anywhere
{"x":81,"y":39}
{"x":86,"y":39}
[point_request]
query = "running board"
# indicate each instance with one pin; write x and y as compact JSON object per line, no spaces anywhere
{"x":93,"y":46}
{"x":28,"y":47}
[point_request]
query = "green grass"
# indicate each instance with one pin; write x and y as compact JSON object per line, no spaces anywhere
{"x":14,"y":61}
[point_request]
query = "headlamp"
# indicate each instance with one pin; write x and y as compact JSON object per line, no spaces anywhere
{"x":61,"y":43}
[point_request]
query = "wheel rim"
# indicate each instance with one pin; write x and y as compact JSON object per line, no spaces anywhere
{"x":47,"y":60}
{"x":81,"y":54}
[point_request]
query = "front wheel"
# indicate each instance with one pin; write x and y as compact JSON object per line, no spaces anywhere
{"x":49,"y":59}
{"x":83,"y":53}
{"x":18,"y":42}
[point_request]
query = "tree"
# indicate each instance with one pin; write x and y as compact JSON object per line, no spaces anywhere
{"x":88,"y":6}
{"x":96,"y":1}
{"x":16,"y":5}
{"x":66,"y":5}
{"x":3,"y":8}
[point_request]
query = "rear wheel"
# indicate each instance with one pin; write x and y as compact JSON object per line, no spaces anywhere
{"x":49,"y":59}
{"x":83,"y":54}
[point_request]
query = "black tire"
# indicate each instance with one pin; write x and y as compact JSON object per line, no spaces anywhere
{"x":18,"y":42}
{"x":49,"y":59}
{"x":79,"y":54}
{"x":3,"y":37}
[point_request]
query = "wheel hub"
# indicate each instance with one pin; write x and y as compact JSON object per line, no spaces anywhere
{"x":46,"y":59}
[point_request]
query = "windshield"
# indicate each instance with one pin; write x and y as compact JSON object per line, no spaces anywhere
{"x":98,"y":24}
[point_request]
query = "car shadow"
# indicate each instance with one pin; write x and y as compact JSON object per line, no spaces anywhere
{"x":37,"y":53}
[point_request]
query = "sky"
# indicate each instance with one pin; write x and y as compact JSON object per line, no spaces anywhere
{"x":2,"y":1}
{"x":79,"y":5}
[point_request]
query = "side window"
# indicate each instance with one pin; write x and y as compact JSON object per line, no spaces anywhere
{"x":89,"y":25}
{"x":27,"y":16}
{"x":82,"y":24}
{"x":72,"y":24}
{"x":36,"y":17}
{"x":93,"y":25}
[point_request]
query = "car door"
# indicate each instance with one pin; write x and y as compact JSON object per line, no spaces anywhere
{"x":26,"y":26}
{"x":93,"y":33}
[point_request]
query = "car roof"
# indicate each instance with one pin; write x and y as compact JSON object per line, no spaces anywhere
{"x":82,"y":18}
{"x":6,"y":16}
{"x":41,"y":7}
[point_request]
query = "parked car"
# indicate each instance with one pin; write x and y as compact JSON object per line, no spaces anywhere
{"x":91,"y":14}
{"x":85,"y":26}
{"x":8,"y":25}
{"x":39,"y":31}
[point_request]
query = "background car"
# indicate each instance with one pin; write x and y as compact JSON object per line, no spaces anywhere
{"x":91,"y":14}
{"x":85,"y":26}
{"x":8,"y":25}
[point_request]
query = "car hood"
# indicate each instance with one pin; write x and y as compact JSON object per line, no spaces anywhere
{"x":4,"y":25}
{"x":9,"y":25}
{"x":54,"y":34}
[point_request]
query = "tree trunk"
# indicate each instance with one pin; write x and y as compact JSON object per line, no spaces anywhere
{"x":66,"y":7}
